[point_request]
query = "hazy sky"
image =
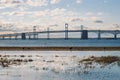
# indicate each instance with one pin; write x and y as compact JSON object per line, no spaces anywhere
{"x":21,"y":15}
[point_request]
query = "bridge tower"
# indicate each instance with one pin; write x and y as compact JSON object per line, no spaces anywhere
{"x":81,"y":27}
{"x":34,"y":32}
{"x":66,"y":30}
{"x":35,"y":35}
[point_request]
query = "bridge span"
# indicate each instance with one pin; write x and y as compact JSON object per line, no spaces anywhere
{"x":84,"y":34}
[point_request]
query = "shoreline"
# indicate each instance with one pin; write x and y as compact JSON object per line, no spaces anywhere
{"x":59,"y":48}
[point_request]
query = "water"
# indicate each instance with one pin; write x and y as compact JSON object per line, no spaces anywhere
{"x":65,"y":53}
{"x":64,"y":67}
{"x":55,"y":43}
{"x":58,"y":65}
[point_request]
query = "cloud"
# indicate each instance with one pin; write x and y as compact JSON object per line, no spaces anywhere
{"x":57,"y":12}
{"x":7,"y":27}
{"x":35,"y":3}
{"x":15,"y":3}
{"x":14,"y":13}
{"x":94,"y":13}
{"x":78,"y":1}
{"x":99,"y":13}
{"x":54,"y":1}
{"x":89,"y":13}
{"x":31,"y":3}
{"x":116,"y":25}
{"x":77,"y":20}
{"x":98,"y":21}
{"x":54,"y":18}
{"x":10,"y":3}
{"x":105,"y":1}
{"x":54,"y":25}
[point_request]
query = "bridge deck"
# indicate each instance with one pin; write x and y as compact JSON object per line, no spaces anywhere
{"x":62,"y":31}
{"x":84,"y":34}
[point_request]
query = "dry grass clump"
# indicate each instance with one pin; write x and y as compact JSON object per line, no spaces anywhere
{"x":102,"y":59}
{"x":6,"y":62}
{"x":107,"y":60}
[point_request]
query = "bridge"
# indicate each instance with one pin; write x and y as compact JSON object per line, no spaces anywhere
{"x":84,"y":34}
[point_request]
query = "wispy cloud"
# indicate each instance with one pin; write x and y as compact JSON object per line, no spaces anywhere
{"x":77,"y":19}
{"x":99,"y":21}
{"x":32,"y":3}
{"x":51,"y":17}
{"x":94,"y":13}
{"x":54,"y":1}
{"x":54,"y":13}
{"x":15,"y":3}
{"x":78,"y":1}
{"x":37,"y":2}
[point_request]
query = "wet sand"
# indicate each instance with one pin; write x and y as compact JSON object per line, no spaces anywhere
{"x":60,"y":48}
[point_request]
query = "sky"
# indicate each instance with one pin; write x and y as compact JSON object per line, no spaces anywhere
{"x":22,"y":15}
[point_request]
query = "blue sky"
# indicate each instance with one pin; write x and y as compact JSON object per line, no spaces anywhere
{"x":22,"y":15}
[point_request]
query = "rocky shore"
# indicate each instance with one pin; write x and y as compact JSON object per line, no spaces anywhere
{"x":60,"y":48}
{"x":66,"y":63}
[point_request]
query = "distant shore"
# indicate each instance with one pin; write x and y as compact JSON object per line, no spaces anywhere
{"x":60,"y":48}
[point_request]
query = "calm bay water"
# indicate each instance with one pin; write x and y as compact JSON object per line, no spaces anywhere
{"x":59,"y":42}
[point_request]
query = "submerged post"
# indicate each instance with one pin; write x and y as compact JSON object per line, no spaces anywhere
{"x":66,"y":30}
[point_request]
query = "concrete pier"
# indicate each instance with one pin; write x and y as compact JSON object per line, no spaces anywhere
{"x":99,"y":35}
{"x":84,"y":34}
{"x":23,"y":35}
{"x":48,"y":33}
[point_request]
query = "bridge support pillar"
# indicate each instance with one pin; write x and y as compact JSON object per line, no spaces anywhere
{"x":29,"y":37}
{"x":10,"y":37}
{"x":99,"y":35}
{"x":66,"y":34}
{"x":23,"y":35}
{"x":84,"y":34}
{"x":35,"y":35}
{"x":3,"y":37}
{"x":115,"y":36}
{"x":48,"y":33}
{"x":16,"y":37}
